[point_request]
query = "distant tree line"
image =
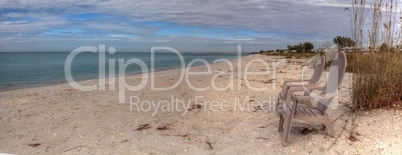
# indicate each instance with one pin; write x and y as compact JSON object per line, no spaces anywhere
{"x":301,"y":47}
{"x":277,"y":50}
{"x":267,"y":51}
{"x":344,"y":41}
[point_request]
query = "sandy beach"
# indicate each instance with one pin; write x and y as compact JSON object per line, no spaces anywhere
{"x":59,"y":119}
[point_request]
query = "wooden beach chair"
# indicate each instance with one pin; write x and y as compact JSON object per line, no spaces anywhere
{"x":318,"y":69}
{"x":318,"y":114}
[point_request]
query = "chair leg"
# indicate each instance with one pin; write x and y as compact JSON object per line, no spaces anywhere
{"x":278,"y":109}
{"x":287,"y":127}
{"x":277,"y":104}
{"x":280,"y":123}
{"x":328,"y":124}
{"x":285,"y":134}
{"x":280,"y":98}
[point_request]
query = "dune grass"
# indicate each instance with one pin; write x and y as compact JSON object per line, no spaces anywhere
{"x":377,"y":80}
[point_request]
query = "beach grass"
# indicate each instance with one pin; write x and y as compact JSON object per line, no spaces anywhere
{"x":377,"y":80}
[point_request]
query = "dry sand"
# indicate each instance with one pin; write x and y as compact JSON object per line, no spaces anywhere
{"x":58,"y":119}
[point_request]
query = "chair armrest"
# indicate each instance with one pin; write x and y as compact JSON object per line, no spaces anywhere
{"x":301,"y":85}
{"x":310,"y":88}
{"x":295,"y":80}
{"x":305,"y":88}
{"x":292,"y":80}
{"x":310,"y":97}
{"x":285,"y":82}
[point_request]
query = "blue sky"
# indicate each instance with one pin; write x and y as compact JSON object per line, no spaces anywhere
{"x":186,"y":25}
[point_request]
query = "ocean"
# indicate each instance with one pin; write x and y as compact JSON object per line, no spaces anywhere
{"x":31,"y":69}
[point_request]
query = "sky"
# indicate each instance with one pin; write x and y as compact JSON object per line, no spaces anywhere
{"x":185,"y":25}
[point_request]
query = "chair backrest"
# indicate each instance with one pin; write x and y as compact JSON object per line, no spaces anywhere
{"x":319,"y":68}
{"x":335,"y":77}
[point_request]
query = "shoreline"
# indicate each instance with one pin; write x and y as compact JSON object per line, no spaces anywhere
{"x":106,"y":78}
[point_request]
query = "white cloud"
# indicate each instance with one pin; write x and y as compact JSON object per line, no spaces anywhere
{"x":14,"y":23}
{"x":288,"y":21}
{"x":122,"y":36}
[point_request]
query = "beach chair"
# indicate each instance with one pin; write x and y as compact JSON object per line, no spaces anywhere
{"x":318,"y":69}
{"x":317,"y":114}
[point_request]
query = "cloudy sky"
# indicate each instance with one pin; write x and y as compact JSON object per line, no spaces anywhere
{"x":186,"y":25}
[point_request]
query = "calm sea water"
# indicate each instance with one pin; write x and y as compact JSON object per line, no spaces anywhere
{"x":29,"y":69}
